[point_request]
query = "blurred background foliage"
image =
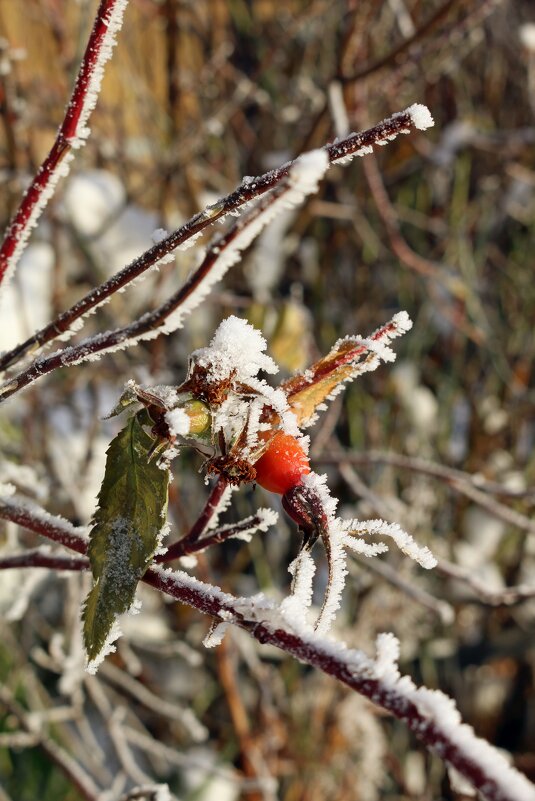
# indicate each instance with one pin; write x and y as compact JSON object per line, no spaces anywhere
{"x":199,"y":94}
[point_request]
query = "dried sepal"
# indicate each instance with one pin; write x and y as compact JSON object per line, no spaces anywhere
{"x":312,"y":507}
{"x":350,"y":357}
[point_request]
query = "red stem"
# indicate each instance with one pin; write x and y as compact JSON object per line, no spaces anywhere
{"x":211,"y":601}
{"x":147,"y":322}
{"x":38,"y":558}
{"x":18,"y":228}
{"x":182,"y":546}
{"x":320,"y":654}
{"x":54,"y":528}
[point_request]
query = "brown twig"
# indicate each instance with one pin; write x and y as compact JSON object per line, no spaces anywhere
{"x":450,"y":475}
{"x":216,"y":537}
{"x":509,"y":596}
{"x":187,"y":543}
{"x":250,"y":756}
{"x":442,"y":609}
{"x":393,"y":56}
{"x":456,"y":479}
{"x":439,"y":273}
{"x":436,"y":49}
{"x":69,"y":767}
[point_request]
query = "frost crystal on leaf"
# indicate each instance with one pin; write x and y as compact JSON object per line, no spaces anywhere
{"x":108,"y":648}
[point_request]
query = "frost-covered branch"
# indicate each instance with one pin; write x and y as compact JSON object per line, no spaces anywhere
{"x":216,"y":502}
{"x":39,"y":558}
{"x":302,"y":180}
{"x":35,"y":519}
{"x":357,"y":144}
{"x":242,"y":530}
{"x":429,"y":714}
{"x":72,"y":134}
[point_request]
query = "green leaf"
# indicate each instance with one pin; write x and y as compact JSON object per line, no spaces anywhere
{"x":128,"y":398}
{"x":132,"y":505}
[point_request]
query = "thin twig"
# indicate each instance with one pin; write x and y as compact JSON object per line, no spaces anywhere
{"x":127,"y":684}
{"x":71,"y":134}
{"x":393,"y":56}
{"x":216,"y":537}
{"x":248,"y":190}
{"x":187,"y":544}
{"x":38,"y":558}
{"x":192,"y":759}
{"x":450,"y":475}
{"x":71,"y":769}
{"x":442,"y":609}
{"x":437,"y":49}
{"x":457,"y":480}
{"x":509,"y":596}
{"x":251,"y":758}
{"x":125,"y":755}
{"x":439,"y":273}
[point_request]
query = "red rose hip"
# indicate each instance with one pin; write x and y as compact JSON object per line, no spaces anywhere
{"x":282,"y":464}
